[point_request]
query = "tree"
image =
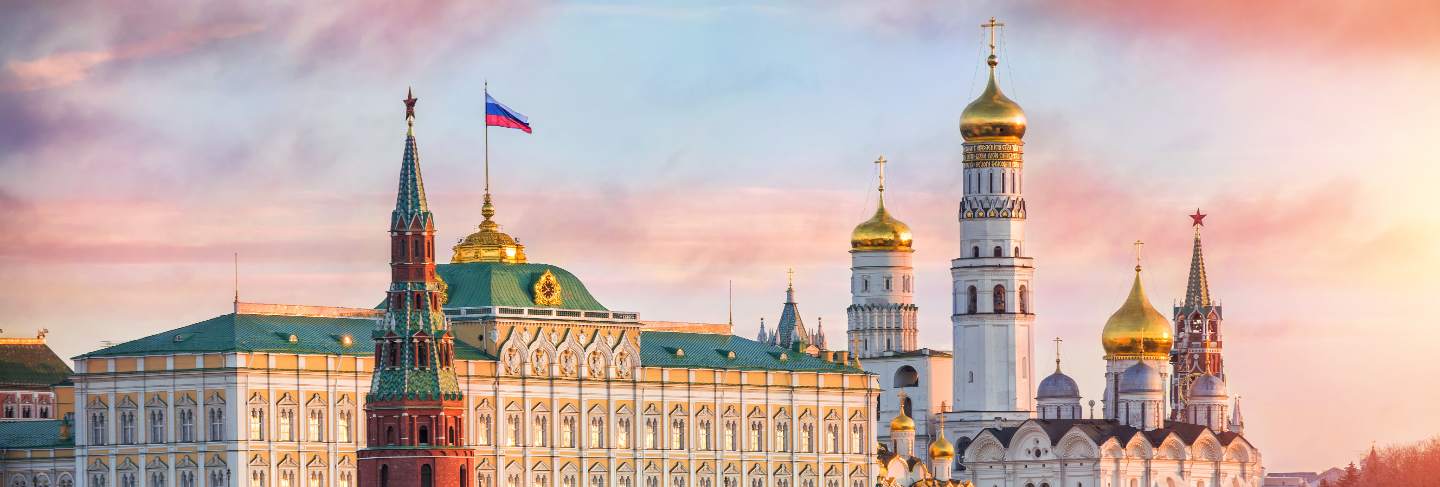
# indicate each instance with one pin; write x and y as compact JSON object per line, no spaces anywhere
{"x":1325,"y":483}
{"x":1352,"y":476}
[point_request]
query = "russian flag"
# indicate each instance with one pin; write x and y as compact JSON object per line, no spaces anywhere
{"x":499,"y":115}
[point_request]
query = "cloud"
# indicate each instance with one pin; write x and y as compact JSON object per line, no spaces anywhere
{"x":67,"y":68}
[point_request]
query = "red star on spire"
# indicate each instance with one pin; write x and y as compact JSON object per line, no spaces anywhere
{"x":410,"y":103}
{"x":1198,"y":218}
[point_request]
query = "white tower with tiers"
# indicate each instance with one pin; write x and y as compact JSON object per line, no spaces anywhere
{"x":881,"y":317}
{"x":993,"y":316}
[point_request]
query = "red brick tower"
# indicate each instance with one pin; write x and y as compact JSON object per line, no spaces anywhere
{"x":415,"y":415}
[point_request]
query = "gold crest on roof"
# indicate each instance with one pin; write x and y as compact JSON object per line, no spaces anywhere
{"x":547,"y":290}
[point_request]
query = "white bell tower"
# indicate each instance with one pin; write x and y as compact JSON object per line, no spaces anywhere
{"x":993,"y":316}
{"x":882,"y":313}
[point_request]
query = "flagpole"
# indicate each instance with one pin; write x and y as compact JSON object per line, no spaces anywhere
{"x":486,"y":109}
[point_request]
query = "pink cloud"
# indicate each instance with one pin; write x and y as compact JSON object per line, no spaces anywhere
{"x":66,"y":68}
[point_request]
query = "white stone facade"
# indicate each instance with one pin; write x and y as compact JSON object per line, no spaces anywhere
{"x":882,"y":313}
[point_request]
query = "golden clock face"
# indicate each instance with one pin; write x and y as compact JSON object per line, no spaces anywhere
{"x":547,"y":290}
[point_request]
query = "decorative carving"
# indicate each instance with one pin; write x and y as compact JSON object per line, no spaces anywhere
{"x":511,"y":360}
{"x":540,"y":362}
{"x":622,"y":365}
{"x":569,"y":363}
{"x":596,"y":363}
{"x":547,"y":290}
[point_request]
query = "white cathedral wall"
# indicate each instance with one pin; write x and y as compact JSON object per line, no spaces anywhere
{"x":925,"y":399}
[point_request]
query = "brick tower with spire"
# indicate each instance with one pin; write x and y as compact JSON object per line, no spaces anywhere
{"x":415,"y":415}
{"x":1198,"y":339}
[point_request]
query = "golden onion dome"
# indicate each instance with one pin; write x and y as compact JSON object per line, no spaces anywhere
{"x":992,"y":116}
{"x":881,"y":232}
{"x":1137,"y":330}
{"x":941,"y":449}
{"x":902,"y":422}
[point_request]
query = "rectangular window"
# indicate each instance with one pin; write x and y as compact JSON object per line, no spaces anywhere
{"x":315,"y":421}
{"x":257,"y":424}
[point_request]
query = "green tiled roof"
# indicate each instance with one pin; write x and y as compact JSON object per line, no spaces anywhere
{"x":32,"y":434}
{"x":265,"y":333}
{"x":481,"y":284}
{"x":711,"y":351}
{"x":31,"y":366}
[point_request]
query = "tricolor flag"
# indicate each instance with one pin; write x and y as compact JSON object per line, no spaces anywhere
{"x":499,"y":115}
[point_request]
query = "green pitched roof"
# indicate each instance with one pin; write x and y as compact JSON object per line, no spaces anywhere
{"x":265,"y":333}
{"x":31,"y":366}
{"x":482,"y":284}
{"x":711,"y":351}
{"x":32,"y":434}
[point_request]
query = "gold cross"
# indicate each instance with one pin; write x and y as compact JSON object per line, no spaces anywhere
{"x":1057,"y":352}
{"x":790,"y":276}
{"x":992,"y":25}
{"x":1138,"y":244}
{"x":881,"y":163}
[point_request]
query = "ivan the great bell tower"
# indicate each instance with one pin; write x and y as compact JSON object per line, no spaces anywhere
{"x":993,"y":317}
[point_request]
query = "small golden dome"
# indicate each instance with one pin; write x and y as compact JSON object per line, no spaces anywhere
{"x":992,"y":116}
{"x":1137,"y":330}
{"x":902,"y":422}
{"x":881,"y":232}
{"x":488,"y":244}
{"x":941,"y":449}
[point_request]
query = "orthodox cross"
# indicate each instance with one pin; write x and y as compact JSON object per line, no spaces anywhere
{"x":1057,"y":352}
{"x":881,"y":164}
{"x":992,"y":25}
{"x":1138,"y":244}
{"x":790,"y":276}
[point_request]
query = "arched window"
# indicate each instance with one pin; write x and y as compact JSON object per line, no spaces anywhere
{"x":384,"y":476}
{"x":424,"y":435}
{"x":463,"y":482}
{"x":427,"y":479}
{"x":389,"y":435}
{"x":450,"y":435}
{"x":997,"y":252}
{"x":975,"y":252}
{"x":972,"y":299}
{"x":907,"y":377}
{"x":887,"y":283}
{"x":1017,"y":252}
{"x":972,"y":377}
{"x":999,"y":298}
{"x":865,"y":284}
{"x":1024,"y":298}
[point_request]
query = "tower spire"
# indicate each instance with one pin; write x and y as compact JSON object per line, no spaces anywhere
{"x":1197,"y":289}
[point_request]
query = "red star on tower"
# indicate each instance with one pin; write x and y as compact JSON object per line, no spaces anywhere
{"x":1198,"y":218}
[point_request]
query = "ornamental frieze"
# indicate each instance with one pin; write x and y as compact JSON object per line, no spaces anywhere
{"x":992,"y":207}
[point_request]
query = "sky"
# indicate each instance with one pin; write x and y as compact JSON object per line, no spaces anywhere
{"x":682,"y":146}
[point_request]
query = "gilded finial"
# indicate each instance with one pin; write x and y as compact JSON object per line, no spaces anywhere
{"x":1057,"y":353}
{"x":992,"y":25}
{"x":880,"y":162}
{"x":1138,"y":244}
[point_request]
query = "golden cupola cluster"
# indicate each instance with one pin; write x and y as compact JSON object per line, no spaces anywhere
{"x":992,"y":117}
{"x":488,"y":244}
{"x":882,"y":231}
{"x":1137,"y":330}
